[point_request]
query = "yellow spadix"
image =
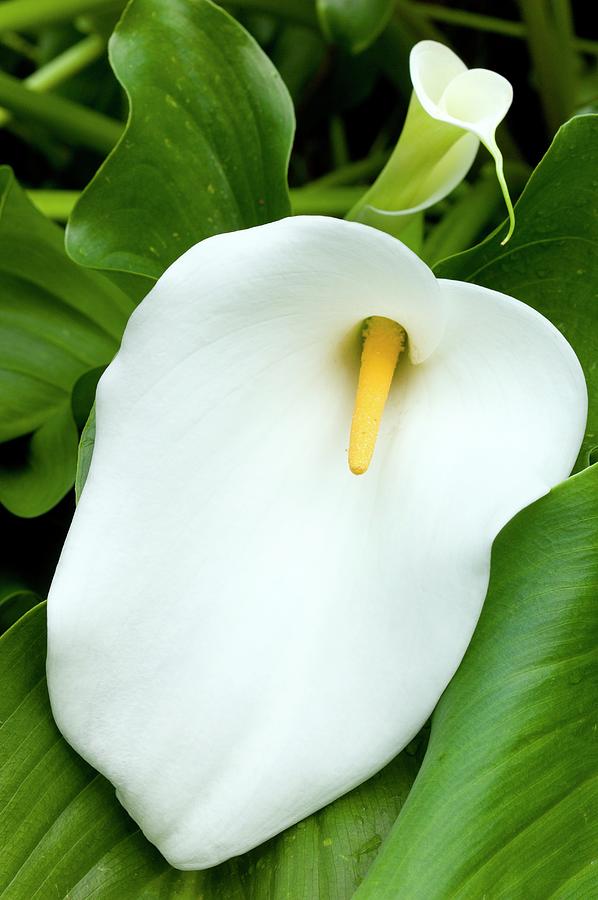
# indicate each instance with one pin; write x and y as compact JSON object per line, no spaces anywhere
{"x":383,"y":341}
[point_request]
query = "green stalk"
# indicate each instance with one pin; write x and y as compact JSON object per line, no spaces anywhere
{"x":481,"y":22}
{"x":19,"y":44}
{"x":468,"y":217}
{"x":69,"y":121}
{"x":20,"y":15}
{"x":332,"y":201}
{"x":420,"y":27}
{"x":549,"y":40}
{"x":478,"y":21}
{"x":309,"y":200}
{"x":61,"y":68}
{"x":464,"y":221}
{"x":583,"y":45}
{"x":56,"y":205}
{"x":563,"y":21}
{"x":67,"y":64}
{"x":338,"y":142}
{"x":352,"y":172}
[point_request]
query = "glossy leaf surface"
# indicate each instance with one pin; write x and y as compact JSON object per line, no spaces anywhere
{"x":64,"y":834}
{"x":58,"y":321}
{"x":206,"y":146}
{"x":506,"y":803}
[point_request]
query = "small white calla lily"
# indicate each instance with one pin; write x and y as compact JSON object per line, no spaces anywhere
{"x":452,"y":110}
{"x":241,"y":630}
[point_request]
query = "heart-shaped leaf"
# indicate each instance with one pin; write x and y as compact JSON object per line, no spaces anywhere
{"x":551,"y":262}
{"x":58,"y":322}
{"x":206,"y":147}
{"x":506,"y":803}
{"x":64,"y":835}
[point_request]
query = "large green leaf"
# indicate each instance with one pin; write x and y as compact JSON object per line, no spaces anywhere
{"x":64,"y":835}
{"x":58,"y":322}
{"x":551,"y":262}
{"x":506,"y":803}
{"x":36,"y":472}
{"x":354,"y":23}
{"x":206,"y":147}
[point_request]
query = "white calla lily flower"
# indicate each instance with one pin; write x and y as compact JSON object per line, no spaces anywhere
{"x":453,"y":109}
{"x":241,"y":630}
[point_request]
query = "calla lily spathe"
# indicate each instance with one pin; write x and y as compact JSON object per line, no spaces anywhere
{"x":240,"y":630}
{"x":453,"y":109}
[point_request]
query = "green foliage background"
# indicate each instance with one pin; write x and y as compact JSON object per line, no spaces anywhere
{"x":187,"y":127}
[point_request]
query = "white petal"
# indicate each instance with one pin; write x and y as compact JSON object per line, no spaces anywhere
{"x":427,"y":164}
{"x":432,"y":67}
{"x":476,"y":100}
{"x":239,"y":629}
{"x":452,"y":109}
{"x":429,"y":161}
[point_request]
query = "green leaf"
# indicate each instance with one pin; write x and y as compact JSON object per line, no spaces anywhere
{"x":35,"y":473}
{"x":551,"y":262}
{"x":354,"y":24}
{"x":297,"y":53}
{"x":58,"y":321}
{"x":84,"y":394}
{"x":86,"y":444}
{"x":14,"y":603}
{"x":506,"y":803}
{"x":64,"y":835}
{"x":206,"y":147}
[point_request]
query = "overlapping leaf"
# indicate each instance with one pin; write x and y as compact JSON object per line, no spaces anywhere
{"x":58,"y":321}
{"x":64,"y":834}
{"x":506,"y":803}
{"x":354,"y":23}
{"x":551,"y":262}
{"x":15,"y":601}
{"x":206,"y":147}
{"x":205,"y":151}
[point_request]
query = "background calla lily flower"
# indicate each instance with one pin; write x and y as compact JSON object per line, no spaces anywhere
{"x":241,"y":630}
{"x":452,"y":110}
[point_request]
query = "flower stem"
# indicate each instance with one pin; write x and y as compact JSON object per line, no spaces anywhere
{"x":481,"y":22}
{"x":67,"y":64}
{"x":468,"y":216}
{"x":61,"y":68}
{"x":68,"y":120}
{"x":330,"y":201}
{"x":56,"y":205}
{"x":549,"y":35}
{"x":308,"y":200}
{"x":20,"y":45}
{"x":464,"y":221}
{"x":20,"y":15}
{"x":338,"y":142}
{"x":352,"y":172}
